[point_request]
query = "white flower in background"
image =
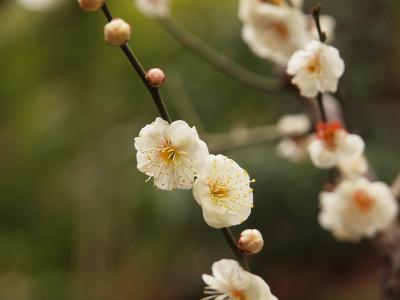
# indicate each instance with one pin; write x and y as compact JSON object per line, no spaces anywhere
{"x":293,"y":125}
{"x":40,"y":5}
{"x":294,"y":150}
{"x":357,"y":208}
{"x":251,"y":241}
{"x":328,"y":25}
{"x":223,"y":192}
{"x":154,"y":8}
{"x":297,"y":3}
{"x":230,"y":282}
{"x":353,"y":167}
{"x":272,"y":29}
{"x":172,"y":154}
{"x":333,"y":144}
{"x":316,"y":69}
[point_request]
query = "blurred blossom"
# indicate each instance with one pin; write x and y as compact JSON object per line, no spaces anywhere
{"x":353,"y":167}
{"x":172,"y":154}
{"x":333,"y":144}
{"x":40,"y":5}
{"x":357,"y":208}
{"x":230,"y":282}
{"x":223,"y":192}
{"x":294,"y":125}
{"x":294,"y":150}
{"x":316,"y":69}
{"x":154,"y":8}
{"x":273,"y":31}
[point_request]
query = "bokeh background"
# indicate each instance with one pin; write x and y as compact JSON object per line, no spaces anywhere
{"x":77,"y":220}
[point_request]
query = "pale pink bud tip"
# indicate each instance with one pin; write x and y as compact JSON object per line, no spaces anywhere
{"x":117,"y":32}
{"x":90,"y":5}
{"x":251,"y":241}
{"x":155,"y":77}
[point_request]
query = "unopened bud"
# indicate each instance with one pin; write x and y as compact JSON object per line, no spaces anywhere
{"x":155,"y":77}
{"x":251,"y":241}
{"x":90,"y":5}
{"x":117,"y":32}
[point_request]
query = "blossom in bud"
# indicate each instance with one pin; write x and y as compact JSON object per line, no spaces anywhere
{"x":230,"y":282}
{"x":357,"y":208}
{"x":155,"y":77}
{"x":333,"y":144}
{"x":154,"y":8}
{"x":91,"y":5}
{"x":272,"y":29}
{"x":117,"y":32}
{"x":294,"y":125}
{"x":223,"y":191}
{"x":251,"y":241}
{"x":172,"y":154}
{"x":316,"y":69}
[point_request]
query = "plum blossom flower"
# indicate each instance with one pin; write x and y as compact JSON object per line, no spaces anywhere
{"x":316,"y":69}
{"x":223,"y":192}
{"x":230,"y":282}
{"x":293,"y":125}
{"x":333,"y":144}
{"x":272,"y":29}
{"x":357,"y":208}
{"x":172,"y":154}
{"x":154,"y":8}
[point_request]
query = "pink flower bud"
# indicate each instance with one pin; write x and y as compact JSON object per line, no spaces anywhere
{"x":90,"y":5}
{"x":155,"y":77}
{"x":251,"y":241}
{"x":117,"y":32}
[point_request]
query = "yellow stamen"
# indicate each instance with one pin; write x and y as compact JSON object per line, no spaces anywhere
{"x":169,"y":153}
{"x":314,"y":66}
{"x":363,"y":201}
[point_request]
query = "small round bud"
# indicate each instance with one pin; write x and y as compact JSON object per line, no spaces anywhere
{"x":117,"y":32}
{"x":251,"y":241}
{"x":90,"y":5}
{"x":155,"y":77}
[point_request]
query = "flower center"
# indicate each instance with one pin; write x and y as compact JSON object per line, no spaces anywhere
{"x":314,"y":66}
{"x":281,"y":29}
{"x":169,"y":153}
{"x":363,"y":202}
{"x":218,"y":191}
{"x":238,"y":295}
{"x":327,"y":132}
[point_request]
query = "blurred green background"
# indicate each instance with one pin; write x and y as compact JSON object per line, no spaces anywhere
{"x":77,"y":220}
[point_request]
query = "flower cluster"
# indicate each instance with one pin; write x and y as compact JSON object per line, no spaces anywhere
{"x":274,"y":30}
{"x":176,"y":158}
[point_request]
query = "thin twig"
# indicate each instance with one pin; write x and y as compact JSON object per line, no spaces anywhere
{"x":154,"y":92}
{"x":396,"y":187}
{"x":217,"y":60}
{"x":232,"y":243}
{"x":321,"y":108}
{"x":164,"y":114}
{"x":315,"y":13}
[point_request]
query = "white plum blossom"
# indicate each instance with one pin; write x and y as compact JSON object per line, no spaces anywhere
{"x":272,"y":29}
{"x":353,"y":167}
{"x":316,"y":69}
{"x":293,"y":125}
{"x":230,"y":282}
{"x":294,"y":150}
{"x":223,"y":192}
{"x":154,"y":8}
{"x":297,"y":3}
{"x":357,"y":208}
{"x":333,"y":144}
{"x":172,"y":154}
